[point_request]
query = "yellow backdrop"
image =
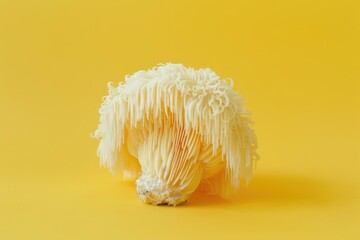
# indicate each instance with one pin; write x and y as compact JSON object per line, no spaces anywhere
{"x":296,"y":62}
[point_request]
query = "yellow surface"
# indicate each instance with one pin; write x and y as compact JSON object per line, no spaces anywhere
{"x":297,"y":63}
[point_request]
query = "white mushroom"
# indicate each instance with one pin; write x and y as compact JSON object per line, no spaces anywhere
{"x":176,"y":130}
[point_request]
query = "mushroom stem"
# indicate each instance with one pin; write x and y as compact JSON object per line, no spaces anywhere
{"x":170,"y":170}
{"x":156,"y":191}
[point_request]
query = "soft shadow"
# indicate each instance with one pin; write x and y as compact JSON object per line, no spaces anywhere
{"x":273,"y":189}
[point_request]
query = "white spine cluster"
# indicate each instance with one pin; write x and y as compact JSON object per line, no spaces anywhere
{"x":141,"y":120}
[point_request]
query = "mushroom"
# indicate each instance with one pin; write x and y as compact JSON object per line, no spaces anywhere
{"x":176,"y":130}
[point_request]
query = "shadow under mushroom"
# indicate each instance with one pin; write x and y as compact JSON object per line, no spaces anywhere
{"x":277,"y":190}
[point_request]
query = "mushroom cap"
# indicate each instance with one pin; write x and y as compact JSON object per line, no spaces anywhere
{"x":197,"y":102}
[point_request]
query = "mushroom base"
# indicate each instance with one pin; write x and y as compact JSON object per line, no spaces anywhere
{"x":155,"y":191}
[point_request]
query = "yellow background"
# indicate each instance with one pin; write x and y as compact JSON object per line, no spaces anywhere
{"x":297,"y":63}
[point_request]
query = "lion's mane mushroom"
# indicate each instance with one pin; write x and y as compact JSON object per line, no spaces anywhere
{"x":177,"y":129}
